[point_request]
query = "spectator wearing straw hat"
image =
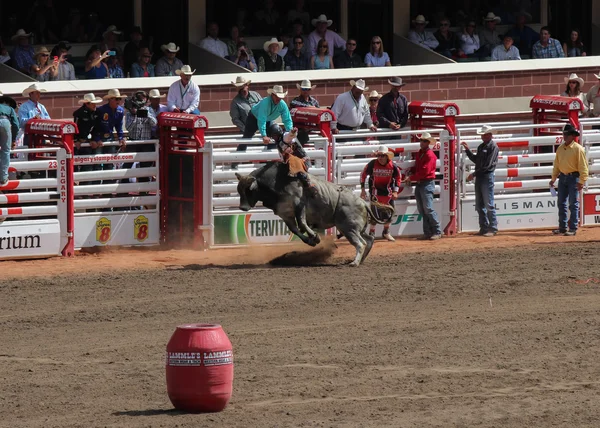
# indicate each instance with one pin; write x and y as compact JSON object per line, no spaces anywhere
{"x":110,"y":39}
{"x":168,"y":63}
{"x":571,"y":169}
{"x":593,"y":98}
{"x":574,"y":85}
{"x":305,"y":99}
{"x":157,"y":108}
{"x":32,"y":108}
{"x":23,"y":53}
{"x":44,"y":70}
{"x":374,"y":98}
{"x":9,"y":127}
{"x":423,"y":175}
{"x":321,"y":31}
{"x":384,"y":184}
{"x":488,"y":36}
{"x":421,"y":37}
{"x":184,"y":94}
{"x":393,"y":106}
{"x":351,"y":109}
{"x":243,"y":102}
{"x":485,"y":161}
{"x":271,"y":61}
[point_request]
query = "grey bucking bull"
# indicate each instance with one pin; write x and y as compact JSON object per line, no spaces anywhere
{"x":331,"y":206}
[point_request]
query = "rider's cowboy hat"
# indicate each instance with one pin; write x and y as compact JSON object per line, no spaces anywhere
{"x":321,"y":18}
{"x":420,"y":19}
{"x":90,"y":98}
{"x":5,"y":99}
{"x":491,"y":17}
{"x":155,"y":93}
{"x":241,"y":81}
{"x":485,"y":129}
{"x":171,"y":47}
{"x":427,"y":136}
{"x":111,"y":29}
{"x":273,"y":41}
{"x":360,"y":84}
{"x":375,"y":94}
{"x":33,"y":88}
{"x":396,"y":81}
{"x":20,"y":33}
{"x":186,"y":69}
{"x":277,"y":90}
{"x":575,"y":78}
{"x":383,"y":150}
{"x":113,"y":93}
{"x":305,"y":84}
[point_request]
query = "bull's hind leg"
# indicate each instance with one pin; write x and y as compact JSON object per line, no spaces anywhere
{"x":370,"y":240}
{"x":357,"y":242}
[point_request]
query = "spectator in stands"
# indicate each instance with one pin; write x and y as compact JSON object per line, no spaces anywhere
{"x":95,"y":67}
{"x":43,"y":19}
{"x":212,"y":43}
{"x":593,"y":98}
{"x":110,"y":39}
{"x":322,"y":60}
{"x":321,"y":32}
{"x":23,"y":53}
{"x":449,"y":42}
{"x":9,"y":127}
{"x":470,"y":40}
{"x":547,"y":47}
{"x":506,"y":51}
{"x":574,"y":85}
{"x":66,"y":71}
{"x":423,"y":174}
{"x":393,"y":106}
{"x":243,"y":102}
{"x":571,"y":169}
{"x":232,"y":45}
{"x":167,"y":65}
{"x":114,"y":66}
{"x":296,"y":58}
{"x":184,"y":95}
{"x":4,"y":55}
{"x":299,"y":14}
{"x":285,"y":39}
{"x":523,"y":35}
{"x":574,"y":47}
{"x":305,"y":99}
{"x":143,"y":67}
{"x":488,"y":36}
{"x":32,"y":108}
{"x":110,"y":121}
{"x":384,"y":184}
{"x":377,"y":57}
{"x":157,"y":108}
{"x":485,"y":161}
{"x":348,"y":58}
{"x":131,"y":51}
{"x":44,"y":70}
{"x":298,"y":31}
{"x":243,"y":58}
{"x":271,"y":61}
{"x":421,"y":37}
{"x":351,"y":109}
{"x":93,"y":30}
{"x":74,"y":31}
{"x":86,"y":117}
{"x":374,"y":97}
{"x":267,"y":18}
{"x":263,"y":114}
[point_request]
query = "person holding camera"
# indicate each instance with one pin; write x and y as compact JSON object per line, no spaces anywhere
{"x":243,"y":58}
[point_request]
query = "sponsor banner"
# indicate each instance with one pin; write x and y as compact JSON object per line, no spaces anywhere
{"x":591,"y":208}
{"x":407,"y":221}
{"x":116,"y":229}
{"x":29,"y":239}
{"x":515,"y":213}
{"x":252,"y":228}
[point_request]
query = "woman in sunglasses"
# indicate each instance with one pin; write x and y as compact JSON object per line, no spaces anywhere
{"x":470,"y":40}
{"x":449,"y":42}
{"x":42,"y":69}
{"x":143,"y":68}
{"x":377,"y":57}
{"x":322,"y":60}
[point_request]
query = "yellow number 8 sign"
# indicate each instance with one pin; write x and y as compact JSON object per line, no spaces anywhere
{"x":140,"y":228}
{"x":103,"y":230}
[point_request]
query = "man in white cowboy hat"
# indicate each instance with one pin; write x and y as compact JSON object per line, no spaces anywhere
{"x":485,"y":161}
{"x":332,"y":38}
{"x":184,"y":94}
{"x":574,"y":90}
{"x":351,"y":109}
{"x":9,"y":127}
{"x":374,"y":98}
{"x":506,"y":51}
{"x":168,"y":63}
{"x":489,"y":37}
{"x":86,"y":117}
{"x":423,"y":175}
{"x":421,"y":37}
{"x":242,"y":102}
{"x":23,"y":52}
{"x":384,"y":184}
{"x":271,"y":61}
{"x":156,"y":107}
{"x":593,"y":98}
{"x":547,"y":47}
{"x":392,"y":110}
{"x":571,"y":169}
{"x":305,"y":99}
{"x":110,"y":120}
{"x":32,"y":108}
{"x":212,"y":43}
{"x":110,"y":40}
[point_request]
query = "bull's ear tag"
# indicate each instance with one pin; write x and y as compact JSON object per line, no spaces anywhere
{"x":239,"y":177}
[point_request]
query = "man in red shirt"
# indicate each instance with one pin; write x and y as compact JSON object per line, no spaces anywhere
{"x":384,"y":184}
{"x":423,"y":174}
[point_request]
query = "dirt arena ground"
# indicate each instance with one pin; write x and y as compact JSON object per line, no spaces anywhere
{"x":463,"y":332}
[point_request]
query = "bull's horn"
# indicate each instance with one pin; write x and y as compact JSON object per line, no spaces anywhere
{"x":239,"y":176}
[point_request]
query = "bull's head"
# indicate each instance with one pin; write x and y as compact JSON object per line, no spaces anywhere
{"x":248,"y":190}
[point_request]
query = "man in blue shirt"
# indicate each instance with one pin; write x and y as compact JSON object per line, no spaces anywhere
{"x":109,"y":119}
{"x":23,"y":52}
{"x":547,"y":47}
{"x":9,"y":127}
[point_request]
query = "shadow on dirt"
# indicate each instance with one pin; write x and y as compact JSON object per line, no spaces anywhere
{"x":151,"y":412}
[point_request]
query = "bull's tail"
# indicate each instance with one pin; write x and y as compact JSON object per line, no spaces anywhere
{"x":378,"y":212}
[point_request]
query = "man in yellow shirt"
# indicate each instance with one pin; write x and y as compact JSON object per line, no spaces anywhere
{"x":571,"y":168}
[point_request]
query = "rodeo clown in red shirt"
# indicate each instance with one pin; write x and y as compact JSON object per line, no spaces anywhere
{"x":384,"y":184}
{"x":423,"y":175}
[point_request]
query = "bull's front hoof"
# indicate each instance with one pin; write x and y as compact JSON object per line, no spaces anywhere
{"x":313,"y":241}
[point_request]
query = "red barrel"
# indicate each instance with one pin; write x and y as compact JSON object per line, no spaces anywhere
{"x":199,"y":368}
